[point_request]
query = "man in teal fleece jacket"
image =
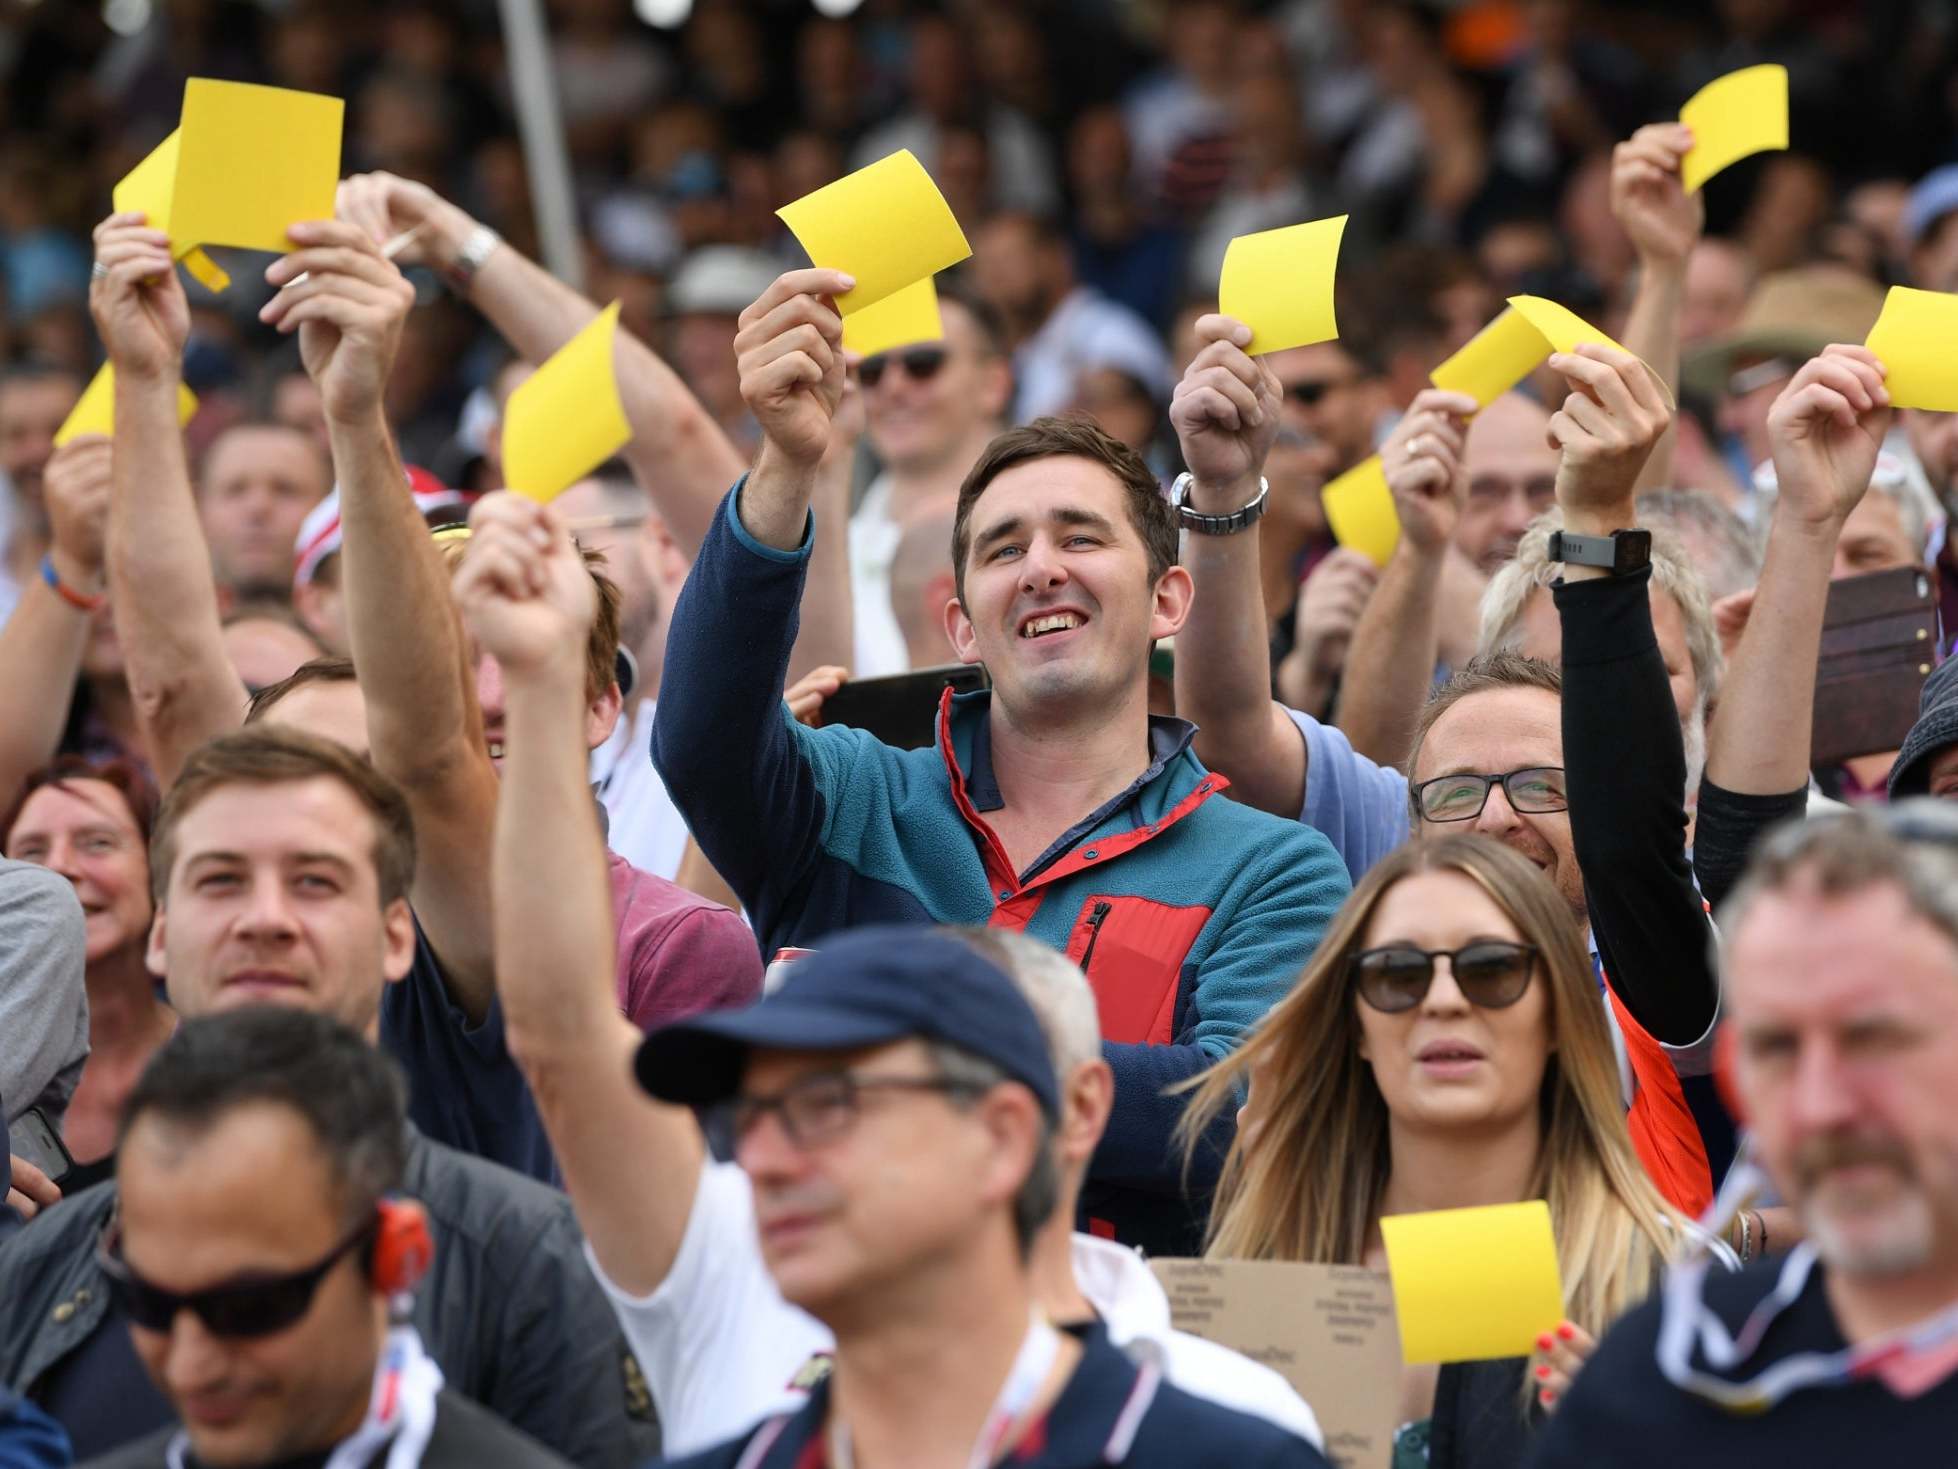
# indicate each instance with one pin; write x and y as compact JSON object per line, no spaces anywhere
{"x":1054,"y":804}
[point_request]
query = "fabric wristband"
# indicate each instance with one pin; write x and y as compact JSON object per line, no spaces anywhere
{"x":78,"y":600}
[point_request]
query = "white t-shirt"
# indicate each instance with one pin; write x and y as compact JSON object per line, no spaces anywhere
{"x":721,"y":1349}
{"x":641,"y":822}
{"x":874,"y":538}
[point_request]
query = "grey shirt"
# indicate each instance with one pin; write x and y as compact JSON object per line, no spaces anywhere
{"x":43,"y":1004}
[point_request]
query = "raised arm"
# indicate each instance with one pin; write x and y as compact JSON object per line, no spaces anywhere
{"x":1663,"y":222}
{"x":423,"y":724}
{"x":184,"y":686}
{"x":677,"y":451}
{"x":527,"y":599}
{"x":1399,"y":636}
{"x":42,"y":643}
{"x":1223,"y":649}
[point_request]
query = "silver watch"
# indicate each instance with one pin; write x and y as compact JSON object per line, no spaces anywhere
{"x":478,"y":247}
{"x":1242,"y":518}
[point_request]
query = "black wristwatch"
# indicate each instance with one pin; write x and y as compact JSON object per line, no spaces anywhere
{"x":1242,"y":518}
{"x":1618,"y":553}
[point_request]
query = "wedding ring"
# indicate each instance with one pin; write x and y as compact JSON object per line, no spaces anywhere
{"x":98,"y":271}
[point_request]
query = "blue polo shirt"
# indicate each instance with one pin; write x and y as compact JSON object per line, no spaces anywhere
{"x":1110,"y":1412}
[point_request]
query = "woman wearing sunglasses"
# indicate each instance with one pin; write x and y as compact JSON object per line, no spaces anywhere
{"x":1445,"y":1048}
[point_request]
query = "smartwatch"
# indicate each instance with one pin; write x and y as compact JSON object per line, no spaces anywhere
{"x":1620,"y":552}
{"x":1215,"y":525}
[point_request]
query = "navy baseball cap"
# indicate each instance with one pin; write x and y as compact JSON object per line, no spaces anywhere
{"x":864,"y":988}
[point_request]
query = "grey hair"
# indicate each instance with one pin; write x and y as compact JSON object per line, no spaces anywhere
{"x":1052,"y":985}
{"x":1912,"y":844}
{"x":1509,"y":592}
{"x":1729,"y":554}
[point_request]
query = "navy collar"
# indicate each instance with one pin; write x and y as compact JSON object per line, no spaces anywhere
{"x":1168,"y":738}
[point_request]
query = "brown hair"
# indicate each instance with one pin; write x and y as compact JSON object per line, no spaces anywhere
{"x":602,"y":645}
{"x":267,"y":755}
{"x":130,"y":781}
{"x":1307,"y":1183}
{"x":329,"y":669}
{"x":1070,"y":438}
{"x":1482,"y":674}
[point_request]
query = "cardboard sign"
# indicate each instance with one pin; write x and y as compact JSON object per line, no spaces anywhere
{"x":1326,"y":1329}
{"x":1280,"y":284}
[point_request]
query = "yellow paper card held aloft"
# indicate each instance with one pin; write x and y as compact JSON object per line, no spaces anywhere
{"x":901,"y":319}
{"x":1495,"y":359}
{"x":566,"y":419}
{"x":95,"y":411}
{"x":251,"y":161}
{"x":1473,"y":1284}
{"x":887,"y":225}
{"x":1913,"y":339}
{"x":1741,"y":113}
{"x":1564,"y":330}
{"x":1280,"y":284}
{"x":1360,"y":510}
{"x":148,"y":188}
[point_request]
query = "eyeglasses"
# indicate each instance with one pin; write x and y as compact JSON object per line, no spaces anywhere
{"x":1538,"y":490}
{"x":247,"y":1308}
{"x":821,"y":1108}
{"x":1490,"y":974}
{"x":1536,"y":790}
{"x":1308,"y":392}
{"x":920,"y":364}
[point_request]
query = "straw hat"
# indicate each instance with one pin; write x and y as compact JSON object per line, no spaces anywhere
{"x":1792,"y":314}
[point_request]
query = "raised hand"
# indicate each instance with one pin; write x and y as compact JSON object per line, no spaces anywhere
{"x":78,"y":484}
{"x":1422,"y":459}
{"x":790,"y":351}
{"x":523,"y":589}
{"x":1649,"y":201}
{"x":1824,"y":432}
{"x":1225,"y":409}
{"x":805,"y":697}
{"x":1329,"y":609}
{"x":383,"y":206}
{"x":138,"y":305}
{"x":1605,"y":430}
{"x":1560,"y":1355}
{"x":348,"y":311}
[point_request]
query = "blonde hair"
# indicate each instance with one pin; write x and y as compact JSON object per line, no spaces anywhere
{"x":1307,"y":1185}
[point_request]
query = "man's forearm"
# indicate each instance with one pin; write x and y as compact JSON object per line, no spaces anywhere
{"x":40,"y":657}
{"x":677,"y":451}
{"x":1392,"y":662}
{"x":183,"y":684}
{"x":1223,"y":668}
{"x":773,"y":504}
{"x":1759,"y":740}
{"x":1652,"y":333}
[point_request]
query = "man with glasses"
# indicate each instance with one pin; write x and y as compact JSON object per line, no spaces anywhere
{"x":929,"y":409}
{"x":265,"y":1267}
{"x":1841,"y":969}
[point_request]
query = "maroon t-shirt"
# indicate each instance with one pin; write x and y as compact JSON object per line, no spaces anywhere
{"x":679,"y":954}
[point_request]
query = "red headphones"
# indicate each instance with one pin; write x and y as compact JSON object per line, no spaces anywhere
{"x":402,"y":1248}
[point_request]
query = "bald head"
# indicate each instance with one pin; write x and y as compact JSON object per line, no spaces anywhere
{"x":1512,"y":478}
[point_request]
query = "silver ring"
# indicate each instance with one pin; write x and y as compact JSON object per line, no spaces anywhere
{"x":98,"y":271}
{"x":1412,"y":451}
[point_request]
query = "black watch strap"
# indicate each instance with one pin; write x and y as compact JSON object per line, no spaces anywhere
{"x":1620,"y":552}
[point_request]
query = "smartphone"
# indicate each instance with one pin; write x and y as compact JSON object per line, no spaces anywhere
{"x":33,"y":1137}
{"x":901,"y":709}
{"x":1879,"y":644}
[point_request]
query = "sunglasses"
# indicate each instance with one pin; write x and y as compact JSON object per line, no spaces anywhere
{"x":1309,"y":392}
{"x":1535,"y":791}
{"x":920,"y":364}
{"x":247,"y":1308}
{"x":1491,"y":975}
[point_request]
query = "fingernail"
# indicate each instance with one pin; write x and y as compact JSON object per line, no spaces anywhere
{"x":849,"y":282}
{"x":1547,"y":1397}
{"x":1567,"y":1331}
{"x":1544,"y":1343}
{"x":1542,"y":1370}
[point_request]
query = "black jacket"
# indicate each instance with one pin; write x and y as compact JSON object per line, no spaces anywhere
{"x":510,"y":1310}
{"x":465,"y":1437}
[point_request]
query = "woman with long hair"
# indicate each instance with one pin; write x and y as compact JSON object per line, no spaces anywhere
{"x":1445,"y":1048}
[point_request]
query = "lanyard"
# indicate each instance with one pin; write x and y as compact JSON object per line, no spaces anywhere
{"x":400,"y":1408}
{"x":1685,"y":1322}
{"x":1030,"y":1368}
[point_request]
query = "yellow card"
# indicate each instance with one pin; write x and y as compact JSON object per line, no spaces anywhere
{"x":149,"y":187}
{"x":566,"y":419}
{"x":251,"y":161}
{"x":95,"y":411}
{"x":1495,"y":359}
{"x":1741,"y":113}
{"x":901,"y":319}
{"x":1280,"y":284}
{"x":1360,"y":510}
{"x":1472,"y":1284}
{"x":1563,"y":330}
{"x":1912,"y":338}
{"x":887,"y":225}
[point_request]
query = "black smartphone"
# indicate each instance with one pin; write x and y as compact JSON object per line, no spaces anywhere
{"x":901,"y":709}
{"x":1879,"y":643}
{"x":33,"y":1137}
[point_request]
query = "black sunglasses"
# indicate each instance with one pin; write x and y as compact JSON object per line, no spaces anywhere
{"x":246,"y":1308}
{"x":1312,"y":390}
{"x":920,"y":364}
{"x":1490,"y":974}
{"x":1536,"y":790}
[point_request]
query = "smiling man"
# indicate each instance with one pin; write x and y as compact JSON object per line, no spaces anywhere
{"x":1054,"y":804}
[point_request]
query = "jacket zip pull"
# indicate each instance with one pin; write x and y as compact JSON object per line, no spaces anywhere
{"x":1094,"y":932}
